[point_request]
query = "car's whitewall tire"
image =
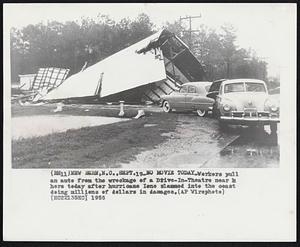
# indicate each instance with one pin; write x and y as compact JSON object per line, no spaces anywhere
{"x":166,"y":107}
{"x":201,"y":113}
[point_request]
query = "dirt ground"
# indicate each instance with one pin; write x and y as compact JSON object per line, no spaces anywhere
{"x":158,"y":140}
{"x":194,"y":141}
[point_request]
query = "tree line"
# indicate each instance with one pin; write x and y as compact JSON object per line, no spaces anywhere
{"x":219,"y":54}
{"x":71,"y":44}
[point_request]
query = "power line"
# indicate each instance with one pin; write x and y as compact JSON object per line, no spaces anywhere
{"x":190,"y":31}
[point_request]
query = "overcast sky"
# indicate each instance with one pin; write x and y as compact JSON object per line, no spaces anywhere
{"x":259,"y":26}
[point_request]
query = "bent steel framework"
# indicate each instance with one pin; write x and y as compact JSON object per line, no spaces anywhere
{"x":145,"y":71}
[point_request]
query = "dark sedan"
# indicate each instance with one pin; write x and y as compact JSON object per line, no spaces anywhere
{"x":190,"y":97}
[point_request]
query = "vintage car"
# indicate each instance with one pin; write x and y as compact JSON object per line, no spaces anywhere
{"x":214,"y":88}
{"x":190,"y":97}
{"x":213,"y":93}
{"x":246,"y":102}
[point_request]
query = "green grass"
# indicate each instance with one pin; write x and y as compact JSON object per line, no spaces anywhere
{"x":90,"y":147}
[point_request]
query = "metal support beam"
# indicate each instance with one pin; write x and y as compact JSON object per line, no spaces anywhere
{"x":161,"y":89}
{"x":165,"y":83}
{"x":155,"y":93}
{"x":149,"y":98}
{"x":175,"y":56}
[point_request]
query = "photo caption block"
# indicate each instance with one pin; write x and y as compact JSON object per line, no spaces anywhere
{"x":87,"y":185}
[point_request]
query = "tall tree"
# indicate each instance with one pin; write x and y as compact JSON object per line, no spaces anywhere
{"x":218,"y":53}
{"x":71,"y":44}
{"x":227,"y":38}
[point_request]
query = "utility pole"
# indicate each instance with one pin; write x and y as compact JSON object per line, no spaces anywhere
{"x":190,"y":31}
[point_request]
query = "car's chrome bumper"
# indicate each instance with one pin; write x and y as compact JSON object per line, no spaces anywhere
{"x":264,"y":117}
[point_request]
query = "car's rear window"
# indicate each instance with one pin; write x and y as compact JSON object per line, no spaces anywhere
{"x":192,"y":89}
{"x":215,"y":86}
{"x":234,"y":87}
{"x":184,"y":89}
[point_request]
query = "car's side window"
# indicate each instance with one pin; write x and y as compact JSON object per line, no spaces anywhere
{"x":215,"y":86}
{"x":192,"y":89}
{"x":184,"y":89}
{"x":207,"y":88}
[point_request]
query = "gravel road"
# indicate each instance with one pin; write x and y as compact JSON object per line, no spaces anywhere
{"x":198,"y":142}
{"x":194,"y":141}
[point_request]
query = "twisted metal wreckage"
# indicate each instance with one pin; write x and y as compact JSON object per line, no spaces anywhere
{"x":142,"y":72}
{"x":38,"y":85}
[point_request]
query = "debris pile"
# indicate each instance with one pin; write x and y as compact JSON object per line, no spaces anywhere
{"x":39,"y":85}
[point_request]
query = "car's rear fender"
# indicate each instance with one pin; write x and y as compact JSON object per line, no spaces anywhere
{"x":203,"y":103}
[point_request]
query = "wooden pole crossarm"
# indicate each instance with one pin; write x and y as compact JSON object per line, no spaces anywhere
{"x":187,"y":31}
